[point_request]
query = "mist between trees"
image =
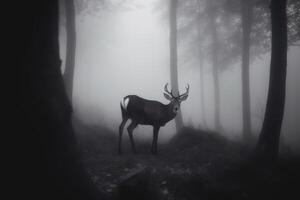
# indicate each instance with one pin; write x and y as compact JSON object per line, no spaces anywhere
{"x":223,"y":53}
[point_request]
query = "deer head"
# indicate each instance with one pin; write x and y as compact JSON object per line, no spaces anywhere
{"x":175,"y":100}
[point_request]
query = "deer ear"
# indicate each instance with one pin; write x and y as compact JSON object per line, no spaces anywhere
{"x":183,"y":98}
{"x":168,"y":97}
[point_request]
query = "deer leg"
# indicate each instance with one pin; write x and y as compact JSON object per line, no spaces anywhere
{"x":130,"y":129}
{"x":121,"y":127}
{"x":154,"y":142}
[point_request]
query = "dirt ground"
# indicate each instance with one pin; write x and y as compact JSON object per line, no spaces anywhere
{"x":195,"y":164}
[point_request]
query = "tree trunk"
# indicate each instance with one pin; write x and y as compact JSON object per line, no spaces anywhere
{"x":173,"y":58}
{"x":215,"y":63}
{"x":268,"y":144}
{"x":217,"y":93}
{"x":246,"y":28}
{"x":203,"y":115}
{"x":48,"y":157}
{"x":70,"y":47}
{"x":201,"y":67}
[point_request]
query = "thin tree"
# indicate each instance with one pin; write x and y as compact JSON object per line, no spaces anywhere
{"x":201,"y":67}
{"x":268,"y":144}
{"x":215,"y":54}
{"x":70,"y":47}
{"x":173,"y":57}
{"x":246,"y":13}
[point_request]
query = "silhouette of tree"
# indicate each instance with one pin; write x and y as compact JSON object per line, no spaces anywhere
{"x":173,"y":57}
{"x":50,"y":161}
{"x":70,"y":46}
{"x":268,"y":143}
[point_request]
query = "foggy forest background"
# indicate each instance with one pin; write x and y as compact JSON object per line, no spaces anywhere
{"x":122,"y":47}
{"x":236,"y":136}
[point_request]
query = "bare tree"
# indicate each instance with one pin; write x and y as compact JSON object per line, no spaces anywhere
{"x":246,"y":16}
{"x":49,"y":158}
{"x":268,"y":144}
{"x":215,"y":59}
{"x":71,"y":47}
{"x":173,"y":57}
{"x":201,"y":67}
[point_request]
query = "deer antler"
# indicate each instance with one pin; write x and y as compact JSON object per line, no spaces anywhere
{"x":187,"y":91}
{"x":167,"y":91}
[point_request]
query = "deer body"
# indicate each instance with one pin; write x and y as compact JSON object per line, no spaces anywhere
{"x":148,"y":112}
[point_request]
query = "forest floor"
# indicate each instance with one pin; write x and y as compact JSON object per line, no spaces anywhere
{"x":194,"y":164}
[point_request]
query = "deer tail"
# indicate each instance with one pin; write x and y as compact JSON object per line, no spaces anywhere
{"x":122,"y":110}
{"x":123,"y":105}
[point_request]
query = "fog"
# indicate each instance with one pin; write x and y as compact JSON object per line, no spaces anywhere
{"x":126,"y":51}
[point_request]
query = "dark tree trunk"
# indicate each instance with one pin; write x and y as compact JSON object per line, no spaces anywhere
{"x":203,"y":115}
{"x":268,"y":144}
{"x":201,"y":67}
{"x":217,"y":94}
{"x":71,"y":47}
{"x":49,"y":157}
{"x":173,"y":57}
{"x":246,"y":28}
{"x":215,"y":63}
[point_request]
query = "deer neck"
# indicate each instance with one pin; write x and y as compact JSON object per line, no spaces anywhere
{"x":170,"y":114}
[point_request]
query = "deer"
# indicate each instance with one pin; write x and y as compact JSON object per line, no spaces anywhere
{"x":149,"y":112}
